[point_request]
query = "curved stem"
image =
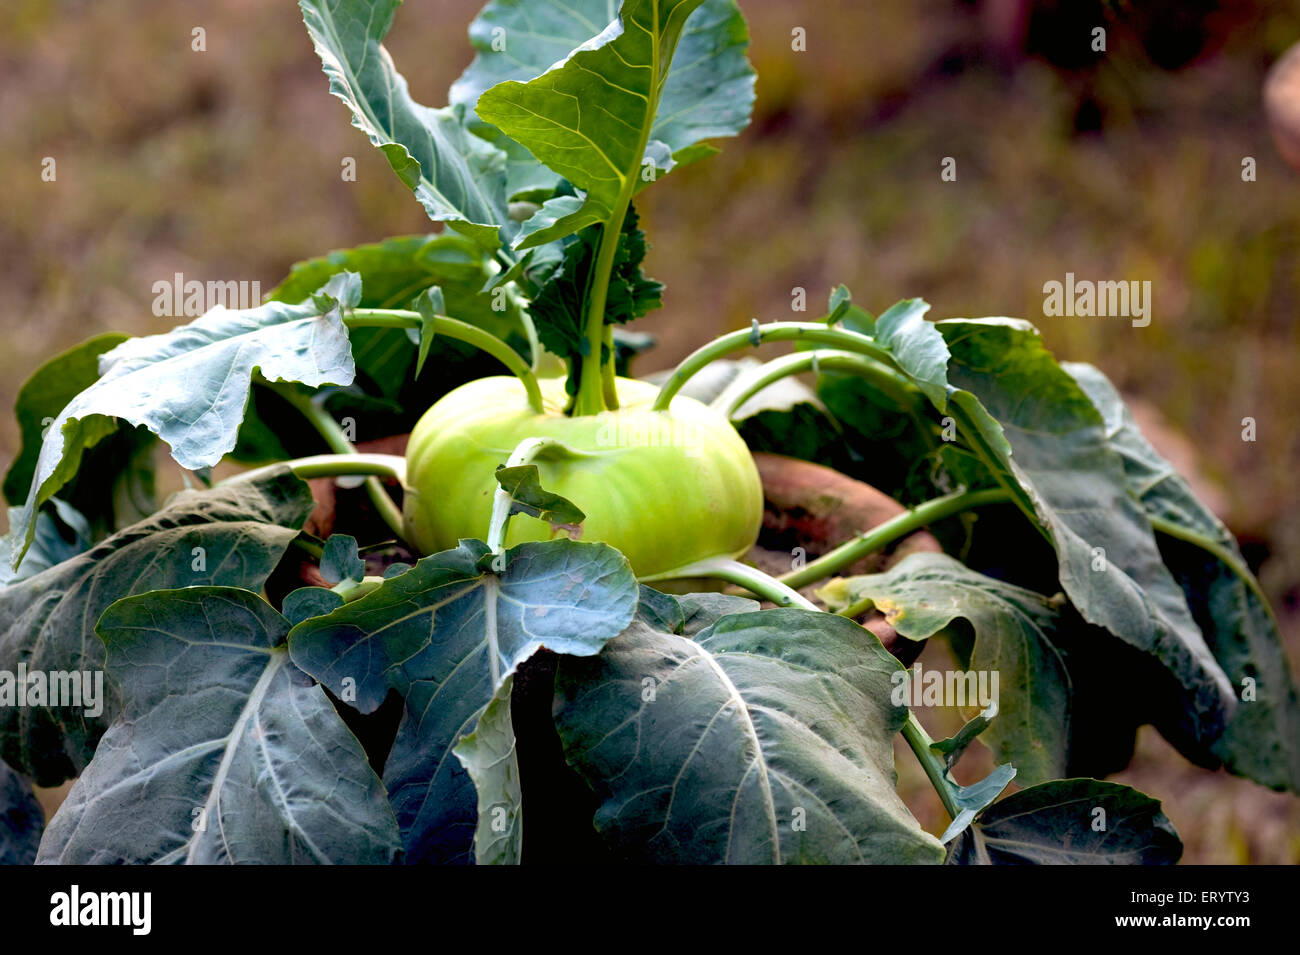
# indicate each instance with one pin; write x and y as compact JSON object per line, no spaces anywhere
{"x":773,"y":332}
{"x":734,"y":572}
{"x":338,"y":442}
{"x":331,"y":465}
{"x":461,"y":331}
{"x":881,"y":535}
{"x":919,"y":740}
{"x":351,"y":591}
{"x":746,"y":386}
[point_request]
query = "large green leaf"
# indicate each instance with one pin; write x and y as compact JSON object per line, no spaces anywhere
{"x":924,"y":593}
{"x":21,"y":819}
{"x":1070,"y":822}
{"x":488,"y":755}
{"x":232,"y":535}
{"x":446,"y":635}
{"x":767,"y":738}
{"x":190,"y":386}
{"x":1039,"y":432}
{"x":596,"y":118}
{"x":114,"y":486}
{"x":1262,"y":740}
{"x":458,"y":177}
{"x":708,"y":93}
{"x":224,"y":753}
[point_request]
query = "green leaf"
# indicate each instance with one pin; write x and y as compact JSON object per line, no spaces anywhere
{"x":1058,"y":823}
{"x":340,"y":561}
{"x":708,"y":93}
{"x":952,"y":748}
{"x":43,"y":396}
{"x":232,"y":535}
{"x":488,"y":755}
{"x":559,"y":304}
{"x":224,"y":753}
{"x":768,"y":738}
{"x":62,"y":533}
{"x":594,"y":118}
{"x":430,"y":304}
{"x":972,"y":799}
{"x":458,"y":177}
{"x":307,"y":602}
{"x":445,"y":635}
{"x":918,"y":347}
{"x":1037,"y":429}
{"x":527,"y":496}
{"x":924,"y":593}
{"x":190,"y":386}
{"x":1262,"y":739}
{"x":21,"y":819}
{"x":114,"y":486}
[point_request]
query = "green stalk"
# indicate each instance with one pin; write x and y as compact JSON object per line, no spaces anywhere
{"x":734,"y":572}
{"x":338,"y":442}
{"x":460,"y":331}
{"x":920,"y":741}
{"x":882,"y":535}
{"x":332,"y":465}
{"x":774,"y":332}
{"x":590,"y":398}
{"x":608,"y":378}
{"x":351,"y":591}
{"x":746,"y":386}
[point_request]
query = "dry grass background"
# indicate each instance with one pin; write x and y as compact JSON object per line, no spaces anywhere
{"x":225,"y":165}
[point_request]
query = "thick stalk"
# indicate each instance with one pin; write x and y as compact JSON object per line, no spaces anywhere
{"x":461,"y":331}
{"x":734,"y":572}
{"x":920,"y":741}
{"x":332,"y":465}
{"x":891,"y":530}
{"x":338,"y":442}
{"x":608,"y":378}
{"x":746,"y":386}
{"x":774,"y":332}
{"x":591,"y":388}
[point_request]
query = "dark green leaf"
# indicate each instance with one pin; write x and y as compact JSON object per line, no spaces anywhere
{"x":21,"y":819}
{"x":923,"y":593}
{"x":445,"y":635}
{"x":1039,"y":431}
{"x":224,"y":753}
{"x":1262,"y":740}
{"x":340,"y":560}
{"x":232,"y":535}
{"x":527,"y":496}
{"x":307,"y":602}
{"x":559,"y":304}
{"x":766,"y":739}
{"x":1059,"y":823}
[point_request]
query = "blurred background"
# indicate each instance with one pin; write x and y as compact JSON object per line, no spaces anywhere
{"x":224,"y":165}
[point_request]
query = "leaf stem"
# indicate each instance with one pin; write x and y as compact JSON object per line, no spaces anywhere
{"x":332,"y":465}
{"x":882,"y":535}
{"x":734,"y":572}
{"x":461,"y":331}
{"x":590,"y":398}
{"x":524,"y":453}
{"x":747,"y":386}
{"x":773,"y":332}
{"x":338,"y":442}
{"x":919,"y":740}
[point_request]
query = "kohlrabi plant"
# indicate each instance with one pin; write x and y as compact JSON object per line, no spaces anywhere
{"x":539,"y":632}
